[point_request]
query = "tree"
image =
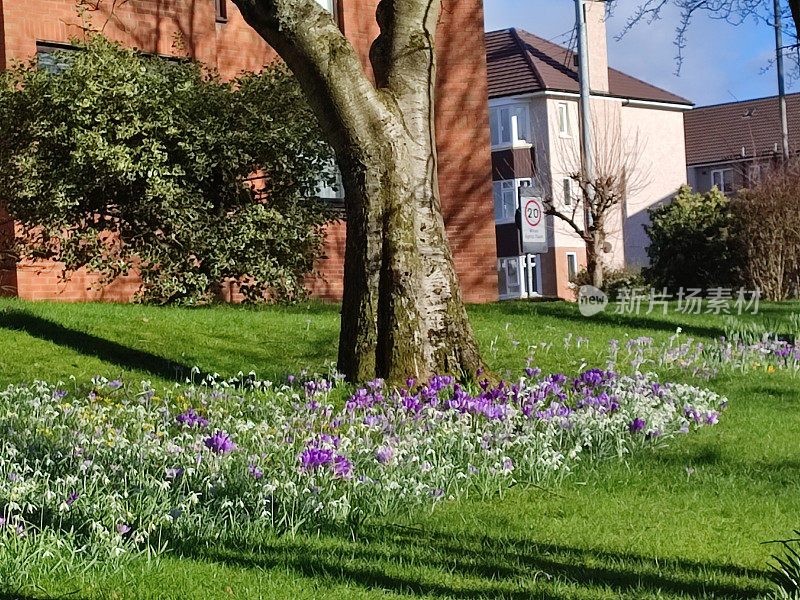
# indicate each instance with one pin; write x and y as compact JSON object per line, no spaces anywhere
{"x":601,"y":194}
{"x":402,"y":313}
{"x":128,"y":161}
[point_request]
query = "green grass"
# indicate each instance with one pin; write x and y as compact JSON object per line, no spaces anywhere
{"x":644,"y":528}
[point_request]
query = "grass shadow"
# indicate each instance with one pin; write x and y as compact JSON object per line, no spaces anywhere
{"x":91,"y":345}
{"x":471,"y":567}
{"x":611,"y":319}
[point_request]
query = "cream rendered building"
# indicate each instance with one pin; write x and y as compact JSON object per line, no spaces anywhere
{"x":534,"y":117}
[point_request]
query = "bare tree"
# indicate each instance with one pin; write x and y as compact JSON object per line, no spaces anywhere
{"x":402,"y":314}
{"x":767,"y":224}
{"x":592,"y":211}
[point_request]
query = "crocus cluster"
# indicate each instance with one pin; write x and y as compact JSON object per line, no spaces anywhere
{"x":278,"y":457}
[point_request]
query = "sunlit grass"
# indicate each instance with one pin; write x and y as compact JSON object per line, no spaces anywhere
{"x":685,"y":521}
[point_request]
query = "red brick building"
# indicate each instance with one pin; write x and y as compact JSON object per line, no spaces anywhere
{"x":213,"y":31}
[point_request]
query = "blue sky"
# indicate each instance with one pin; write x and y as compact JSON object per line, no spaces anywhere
{"x":722,"y":63}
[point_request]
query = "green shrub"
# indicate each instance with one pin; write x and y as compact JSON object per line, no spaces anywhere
{"x":125,"y":160}
{"x":614,"y":280}
{"x":691,"y":241}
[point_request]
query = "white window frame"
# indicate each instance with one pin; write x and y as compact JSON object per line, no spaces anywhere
{"x":516,"y":132}
{"x":326,"y":4}
{"x":720,"y":173}
{"x":506,"y":188}
{"x":528,"y":276}
{"x":564,"y":124}
{"x":572,"y":265}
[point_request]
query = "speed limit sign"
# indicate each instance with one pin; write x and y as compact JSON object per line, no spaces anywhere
{"x":532,"y":221}
{"x":533,"y":212}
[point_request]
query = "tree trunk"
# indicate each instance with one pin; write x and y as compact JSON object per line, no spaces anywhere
{"x":594,"y":263}
{"x":402,"y":311}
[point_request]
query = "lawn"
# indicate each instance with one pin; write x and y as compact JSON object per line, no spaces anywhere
{"x":686,"y":521}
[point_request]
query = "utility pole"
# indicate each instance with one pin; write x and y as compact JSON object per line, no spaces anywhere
{"x":781,"y":84}
{"x":583,"y":75}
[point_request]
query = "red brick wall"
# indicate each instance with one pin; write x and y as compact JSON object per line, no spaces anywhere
{"x":461,"y":116}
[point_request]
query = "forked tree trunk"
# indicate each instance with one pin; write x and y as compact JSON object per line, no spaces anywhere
{"x":402,"y":313}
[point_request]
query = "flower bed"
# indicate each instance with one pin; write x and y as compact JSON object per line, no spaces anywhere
{"x":118,"y":466}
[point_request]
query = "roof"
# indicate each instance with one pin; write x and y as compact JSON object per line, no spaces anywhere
{"x":521,"y":63}
{"x":737,"y":130}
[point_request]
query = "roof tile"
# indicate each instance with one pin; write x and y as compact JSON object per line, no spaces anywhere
{"x":738,"y":129}
{"x":520,"y":63}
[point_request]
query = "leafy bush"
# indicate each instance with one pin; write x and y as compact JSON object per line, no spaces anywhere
{"x":767,"y":218}
{"x":691,"y":241}
{"x":125,"y":160}
{"x":116,"y":467}
{"x":614,"y":280}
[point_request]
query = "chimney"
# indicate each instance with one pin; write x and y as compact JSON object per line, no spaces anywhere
{"x":595,"y":11}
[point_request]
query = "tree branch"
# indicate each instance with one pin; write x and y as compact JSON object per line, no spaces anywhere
{"x":349,"y":107}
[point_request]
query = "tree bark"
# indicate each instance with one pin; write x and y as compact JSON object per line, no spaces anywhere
{"x":402,"y":311}
{"x":594,"y":264}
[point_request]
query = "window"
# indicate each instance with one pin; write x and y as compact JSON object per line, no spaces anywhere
{"x":505,"y":201}
{"x":518,"y":276}
{"x":221,"y":8}
{"x":509,"y":125}
{"x":564,"y":128}
{"x":567,"y":192}
{"x":327,"y":190}
{"x":508,"y":273}
{"x":753,"y":174}
{"x":54,"y":58}
{"x":723,"y":179}
{"x":326,"y":4}
{"x":572,"y":266}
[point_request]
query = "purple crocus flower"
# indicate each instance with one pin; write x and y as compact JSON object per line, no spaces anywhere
{"x":342,"y":468}
{"x":219,"y":443}
{"x":190,"y":418}
{"x":637,"y":425}
{"x":122,"y":528}
{"x":255,"y":471}
{"x":115,"y":384}
{"x":314,"y":457}
{"x":71,"y":498}
{"x":384,"y":454}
